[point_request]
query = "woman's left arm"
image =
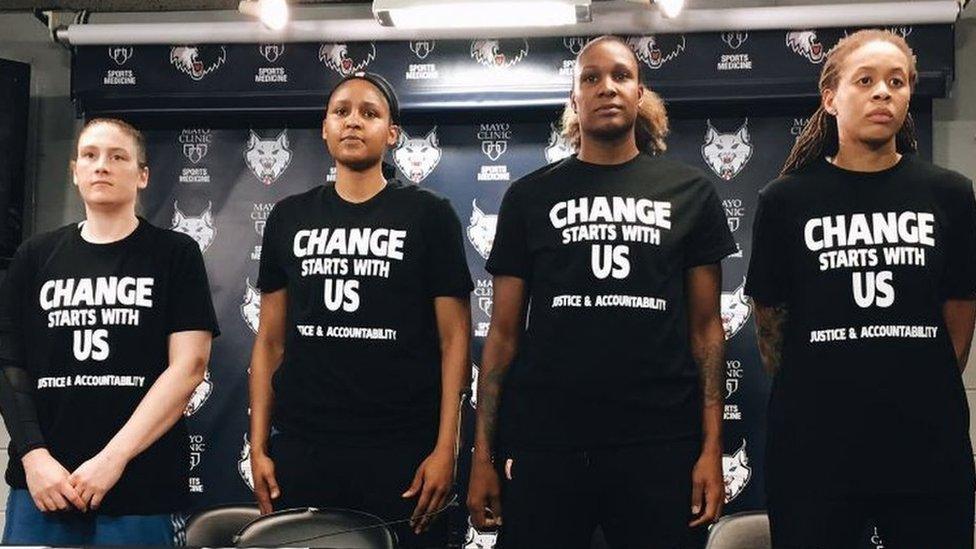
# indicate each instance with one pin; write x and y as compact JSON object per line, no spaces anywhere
{"x":960,"y":319}
{"x":162,"y":407}
{"x":435,"y":476}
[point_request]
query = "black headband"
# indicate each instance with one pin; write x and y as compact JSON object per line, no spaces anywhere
{"x":379,"y":83}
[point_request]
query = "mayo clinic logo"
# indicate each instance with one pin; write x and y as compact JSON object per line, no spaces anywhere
{"x":120,"y":54}
{"x":734,"y":61}
{"x":735,"y":40}
{"x":271,"y":52}
{"x":195,"y":142}
{"x":422,"y":71}
{"x":119,"y":77}
{"x":799,"y":124}
{"x":494,"y":139}
{"x":733,"y":375}
{"x":422,"y":48}
{"x":494,"y":143}
{"x":484,"y":298}
{"x":259,"y":215}
{"x":197,"y":447}
{"x":267,"y":75}
{"x":734,"y":211}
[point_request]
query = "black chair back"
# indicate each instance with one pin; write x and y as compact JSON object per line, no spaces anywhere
{"x":217,"y":526}
{"x":320,"y":528}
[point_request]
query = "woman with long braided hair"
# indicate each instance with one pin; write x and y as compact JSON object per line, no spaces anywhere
{"x":863,"y":276}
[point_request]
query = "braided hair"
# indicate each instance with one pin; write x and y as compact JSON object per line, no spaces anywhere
{"x":820,"y":138}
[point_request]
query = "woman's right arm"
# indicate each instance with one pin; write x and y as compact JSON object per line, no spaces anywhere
{"x":269,"y":349}
{"x":484,"y":491}
{"x":47,"y":480}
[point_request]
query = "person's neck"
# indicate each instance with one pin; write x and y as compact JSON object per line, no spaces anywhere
{"x":103,"y":226}
{"x":595,"y":151}
{"x":359,"y":186}
{"x":863,"y":157}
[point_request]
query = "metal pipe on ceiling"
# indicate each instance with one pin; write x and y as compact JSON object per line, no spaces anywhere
{"x":613,"y":17}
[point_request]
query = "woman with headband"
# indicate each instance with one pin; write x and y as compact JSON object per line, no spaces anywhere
{"x":362,"y":350}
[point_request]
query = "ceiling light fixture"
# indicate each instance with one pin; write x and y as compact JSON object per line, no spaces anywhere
{"x":273,"y":13}
{"x":480,"y":13}
{"x":670,"y":8}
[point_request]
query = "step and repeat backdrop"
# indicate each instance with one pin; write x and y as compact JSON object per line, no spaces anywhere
{"x":233,"y":129}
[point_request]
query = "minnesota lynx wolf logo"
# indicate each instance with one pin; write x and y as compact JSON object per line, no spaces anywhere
{"x":559,"y":147}
{"x":417,"y":157}
{"x":268,"y":158}
{"x":197,"y":61}
{"x":477,"y":539}
{"x":422,"y":48}
{"x":200,"y":395}
{"x":120,"y":55}
{"x":727,"y":153}
{"x":655,"y":51}
{"x":200,"y":227}
{"x":481,"y":229}
{"x":271,"y":52}
{"x":805,"y":43}
{"x":900,"y":31}
{"x":736,"y":472}
{"x":346,"y":59}
{"x":244,"y":464}
{"x":735,"y":310}
{"x":251,"y":308}
{"x":499,"y":53}
{"x":735,"y":40}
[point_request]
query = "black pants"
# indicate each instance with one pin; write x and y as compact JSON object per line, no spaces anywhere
{"x":904,"y":522}
{"x":640,"y":495}
{"x":366,"y":479}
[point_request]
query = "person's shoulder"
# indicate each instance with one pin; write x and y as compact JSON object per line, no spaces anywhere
{"x":791,"y":186}
{"x":298,"y":200}
{"x":168,"y":240}
{"x":413,"y":192}
{"x":423,"y":199}
{"x":47,"y":240}
{"x":541,"y":178}
{"x":664,"y":165}
{"x":675,"y":176}
{"x":941,"y":178}
{"x":43,"y":243}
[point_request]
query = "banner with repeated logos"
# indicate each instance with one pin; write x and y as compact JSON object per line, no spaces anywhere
{"x":216,"y":178}
{"x":445,"y":74}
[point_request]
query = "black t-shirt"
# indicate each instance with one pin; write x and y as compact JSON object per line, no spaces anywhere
{"x":869,"y":398}
{"x":94,"y":320}
{"x":362,"y":353}
{"x":605,"y":359}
